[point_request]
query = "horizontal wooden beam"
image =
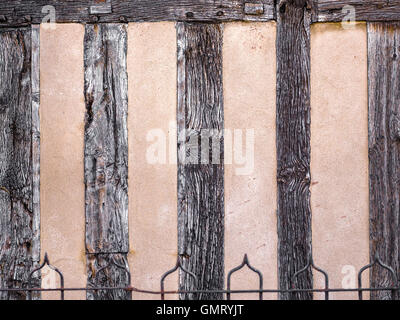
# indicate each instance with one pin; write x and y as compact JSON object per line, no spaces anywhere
{"x":364,"y":10}
{"x":23,"y":12}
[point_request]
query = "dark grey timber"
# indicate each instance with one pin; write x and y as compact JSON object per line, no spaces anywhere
{"x":365,"y":10}
{"x":21,"y":12}
{"x":384,"y":150}
{"x":293,"y":145}
{"x":35,"y":78}
{"x":200,"y":176}
{"x":25,"y":12}
{"x":106,"y":158}
{"x":19,"y":185}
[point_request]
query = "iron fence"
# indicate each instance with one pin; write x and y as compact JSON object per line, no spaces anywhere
{"x":395,"y":286}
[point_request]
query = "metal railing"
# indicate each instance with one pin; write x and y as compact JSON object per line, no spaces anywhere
{"x":395,"y":286}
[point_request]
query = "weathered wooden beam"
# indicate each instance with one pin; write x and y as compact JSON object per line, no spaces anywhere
{"x":35,"y":78}
{"x":106,"y":158}
{"x":293,"y":145}
{"x":19,"y":194}
{"x":26,"y":12}
{"x":21,"y":12}
{"x":200,"y":161}
{"x":384,"y":151}
{"x":365,"y":10}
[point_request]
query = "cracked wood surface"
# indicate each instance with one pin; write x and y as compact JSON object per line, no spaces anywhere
{"x":384,"y":151}
{"x":24,"y":12}
{"x":200,"y":184}
{"x":364,"y":10}
{"x":19,"y":145}
{"x":21,"y":12}
{"x":106,"y":158}
{"x":293,"y":145}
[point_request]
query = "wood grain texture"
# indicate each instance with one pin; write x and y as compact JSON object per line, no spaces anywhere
{"x":293,"y":145}
{"x":35,"y":78}
{"x":21,"y":12}
{"x":384,"y":150}
{"x":200,"y":177}
{"x":19,"y":216}
{"x":106,"y":157}
{"x":25,"y":12}
{"x":365,"y":10}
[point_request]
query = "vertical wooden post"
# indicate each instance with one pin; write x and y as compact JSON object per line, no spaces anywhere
{"x":106,"y":158}
{"x":19,"y":211}
{"x":200,"y":172}
{"x":293,"y":145}
{"x":384,"y":150}
{"x":35,"y":69}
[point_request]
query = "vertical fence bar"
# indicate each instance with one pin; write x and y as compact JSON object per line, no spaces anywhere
{"x":106,"y":159}
{"x":19,"y":237}
{"x":200,"y":158}
{"x":384,"y":151}
{"x":293,"y":145}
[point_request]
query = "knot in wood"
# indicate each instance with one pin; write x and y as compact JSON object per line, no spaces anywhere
{"x":296,"y":173}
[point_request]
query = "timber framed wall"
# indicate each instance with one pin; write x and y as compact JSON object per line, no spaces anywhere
{"x":200,"y":106}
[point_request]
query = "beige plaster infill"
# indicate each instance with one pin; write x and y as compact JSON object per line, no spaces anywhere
{"x":339,"y":153}
{"x":249,"y":72}
{"x":152,"y":186}
{"x":62,"y":110}
{"x":339,"y":163}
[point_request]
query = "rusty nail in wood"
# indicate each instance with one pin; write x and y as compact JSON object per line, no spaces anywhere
{"x":122,"y":19}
